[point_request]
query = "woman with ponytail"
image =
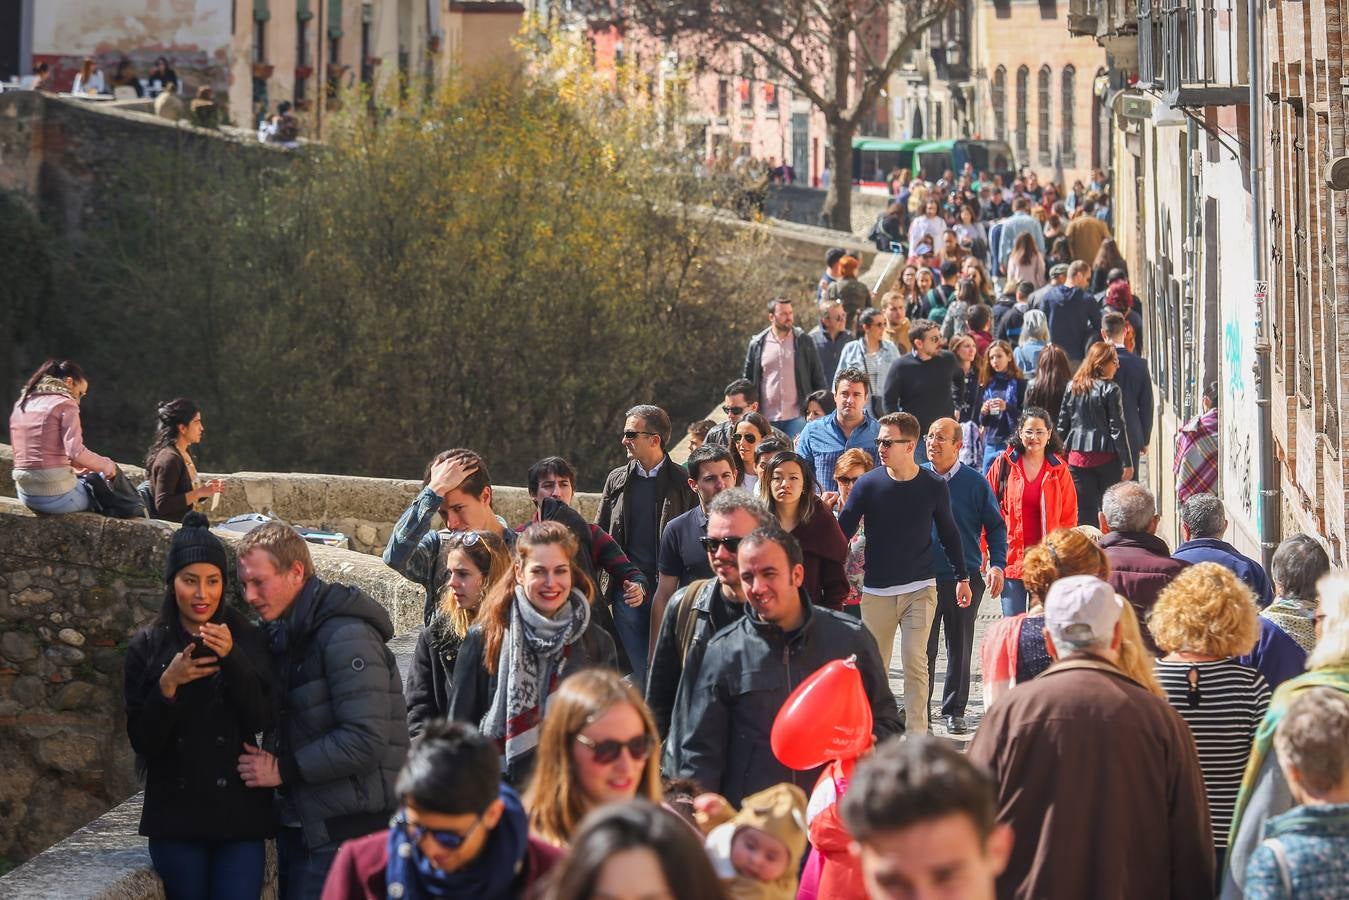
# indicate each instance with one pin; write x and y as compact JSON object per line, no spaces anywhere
{"x":173,"y":475}
{"x":48,"y":440}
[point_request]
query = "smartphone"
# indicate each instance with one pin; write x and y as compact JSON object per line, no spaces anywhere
{"x":199,"y":648}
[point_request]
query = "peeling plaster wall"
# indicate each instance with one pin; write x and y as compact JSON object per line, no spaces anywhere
{"x":194,"y":34}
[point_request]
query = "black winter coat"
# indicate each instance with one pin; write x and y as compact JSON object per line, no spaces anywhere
{"x":472,"y":686}
{"x":191,"y":746}
{"x":342,"y":735}
{"x":746,"y":673}
{"x":1093,"y":422}
{"x":428,"y":687}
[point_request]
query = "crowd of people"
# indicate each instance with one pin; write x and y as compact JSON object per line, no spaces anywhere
{"x":590,"y":705}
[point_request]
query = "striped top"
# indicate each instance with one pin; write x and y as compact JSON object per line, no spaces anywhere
{"x":1223,"y":702}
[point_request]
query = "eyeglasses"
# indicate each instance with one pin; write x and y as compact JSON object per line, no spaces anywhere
{"x":937,"y":439}
{"x":733,"y":410}
{"x":710,"y":544}
{"x":632,"y":435}
{"x":845,"y":479}
{"x":450,"y":840}
{"x":605,"y":752}
{"x":747,"y":438}
{"x":887,"y":443}
{"x":1034,"y":433}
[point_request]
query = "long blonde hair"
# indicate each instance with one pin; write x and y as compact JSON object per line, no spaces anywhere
{"x":487,"y":552}
{"x":1134,"y":658}
{"x":554,"y":800}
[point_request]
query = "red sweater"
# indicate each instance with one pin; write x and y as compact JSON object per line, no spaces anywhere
{"x":358,"y":871}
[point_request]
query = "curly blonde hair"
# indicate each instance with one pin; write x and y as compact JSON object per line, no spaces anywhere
{"x":1066,"y":551}
{"x":1205,"y":609}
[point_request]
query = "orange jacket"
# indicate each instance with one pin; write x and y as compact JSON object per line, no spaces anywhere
{"x":1058,"y":501}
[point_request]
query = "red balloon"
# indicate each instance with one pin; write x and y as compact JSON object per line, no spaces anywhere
{"x":827,"y":717}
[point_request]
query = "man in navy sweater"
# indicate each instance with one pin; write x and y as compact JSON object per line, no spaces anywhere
{"x":975,"y":510}
{"x":901,"y":502}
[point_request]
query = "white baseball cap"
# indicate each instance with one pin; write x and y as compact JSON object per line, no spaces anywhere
{"x":1081,"y":610}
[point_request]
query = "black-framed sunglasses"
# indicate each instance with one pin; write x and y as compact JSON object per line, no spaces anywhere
{"x":710,"y":544}
{"x":450,"y":840}
{"x":632,"y":435}
{"x":733,"y":410}
{"x":887,"y":443}
{"x":745,"y":438}
{"x":845,"y":479}
{"x":604,"y":752}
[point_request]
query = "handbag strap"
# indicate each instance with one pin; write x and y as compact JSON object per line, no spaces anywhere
{"x":1281,"y":857}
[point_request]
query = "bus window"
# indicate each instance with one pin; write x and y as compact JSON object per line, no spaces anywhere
{"x":934,"y":164}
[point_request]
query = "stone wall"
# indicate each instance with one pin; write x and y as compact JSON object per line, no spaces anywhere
{"x":364,"y":509}
{"x":73,"y":589}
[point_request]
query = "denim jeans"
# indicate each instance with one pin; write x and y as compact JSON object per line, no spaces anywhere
{"x":790,"y":427}
{"x":301,"y":870}
{"x":75,"y":500}
{"x":991,"y":452}
{"x":633,"y":624}
{"x":1013,"y":596}
{"x":209,"y":870}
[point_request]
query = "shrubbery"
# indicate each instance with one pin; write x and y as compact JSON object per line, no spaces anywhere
{"x":507,"y":263}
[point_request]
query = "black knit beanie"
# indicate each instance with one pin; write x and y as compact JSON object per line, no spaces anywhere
{"x":194,"y":543}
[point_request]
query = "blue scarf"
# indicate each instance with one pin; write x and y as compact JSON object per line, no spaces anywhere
{"x":489,"y":877}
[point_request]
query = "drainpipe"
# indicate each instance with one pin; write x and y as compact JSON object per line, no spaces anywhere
{"x":1271,"y":515}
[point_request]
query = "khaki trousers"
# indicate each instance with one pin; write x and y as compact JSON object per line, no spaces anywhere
{"x":911,"y":614}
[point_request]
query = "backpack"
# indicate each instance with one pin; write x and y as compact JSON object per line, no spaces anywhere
{"x":1000,"y":465}
{"x":119,"y":500}
{"x":684,"y":618}
{"x":147,"y":496}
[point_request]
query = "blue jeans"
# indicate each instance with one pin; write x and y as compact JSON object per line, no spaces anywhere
{"x":1013,"y":596}
{"x":209,"y":870}
{"x":75,"y":500}
{"x":633,"y":625}
{"x":302,"y":871}
{"x":790,"y":427}
{"x":991,"y":453}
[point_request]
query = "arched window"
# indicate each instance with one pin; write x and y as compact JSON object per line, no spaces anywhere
{"x":1000,"y":103}
{"x":1022,"y":115}
{"x":1042,"y":119}
{"x":1067,"y":139}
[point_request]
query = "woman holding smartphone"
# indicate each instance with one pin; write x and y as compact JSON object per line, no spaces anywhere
{"x":198,"y":692}
{"x":169,"y":465}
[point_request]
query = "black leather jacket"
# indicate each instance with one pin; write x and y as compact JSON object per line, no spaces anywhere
{"x":1093,"y":422}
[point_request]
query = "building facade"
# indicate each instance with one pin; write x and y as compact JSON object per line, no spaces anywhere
{"x":257,"y":53}
{"x":933,"y":91}
{"x":1236,"y":230}
{"x":1035,"y":87}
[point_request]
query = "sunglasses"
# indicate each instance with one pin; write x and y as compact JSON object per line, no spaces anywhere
{"x":710,"y":544}
{"x":733,"y":410}
{"x":744,"y":438}
{"x":450,"y":840}
{"x":466,"y":538}
{"x":604,"y":752}
{"x":632,"y":435}
{"x":844,"y":479}
{"x":887,"y":443}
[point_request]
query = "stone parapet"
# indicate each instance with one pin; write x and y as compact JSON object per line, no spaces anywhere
{"x":73,"y":590}
{"x":364,"y":509}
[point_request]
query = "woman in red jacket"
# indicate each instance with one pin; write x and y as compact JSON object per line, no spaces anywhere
{"x":1035,"y":493}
